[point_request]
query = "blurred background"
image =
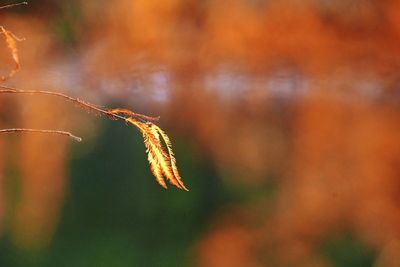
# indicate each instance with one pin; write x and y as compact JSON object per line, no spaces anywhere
{"x":284,"y":116}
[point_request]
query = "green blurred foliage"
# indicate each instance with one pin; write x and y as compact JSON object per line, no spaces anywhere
{"x":346,"y":250}
{"x":116,"y":214}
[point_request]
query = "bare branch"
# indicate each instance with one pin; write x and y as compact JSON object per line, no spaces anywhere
{"x":23,"y":130}
{"x":112,"y":114}
{"x":13,"y":5}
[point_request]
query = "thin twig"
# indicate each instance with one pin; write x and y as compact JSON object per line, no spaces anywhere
{"x":13,"y":5}
{"x":23,"y":130}
{"x":113,"y":114}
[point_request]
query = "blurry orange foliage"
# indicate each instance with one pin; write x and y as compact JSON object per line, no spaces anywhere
{"x":332,"y":142}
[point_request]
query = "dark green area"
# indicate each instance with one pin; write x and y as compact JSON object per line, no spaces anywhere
{"x":347,"y":250}
{"x":115,"y":213}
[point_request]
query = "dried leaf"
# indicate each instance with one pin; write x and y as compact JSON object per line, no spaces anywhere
{"x":161,"y":163}
{"x":171,"y":155}
{"x":12,"y":45}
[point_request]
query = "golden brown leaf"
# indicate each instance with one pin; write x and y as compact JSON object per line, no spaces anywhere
{"x":177,"y":178}
{"x":162,"y":164}
{"x":12,"y":45}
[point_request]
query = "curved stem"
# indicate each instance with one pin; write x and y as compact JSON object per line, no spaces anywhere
{"x":113,"y":114}
{"x":13,"y":5}
{"x":24,"y":130}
